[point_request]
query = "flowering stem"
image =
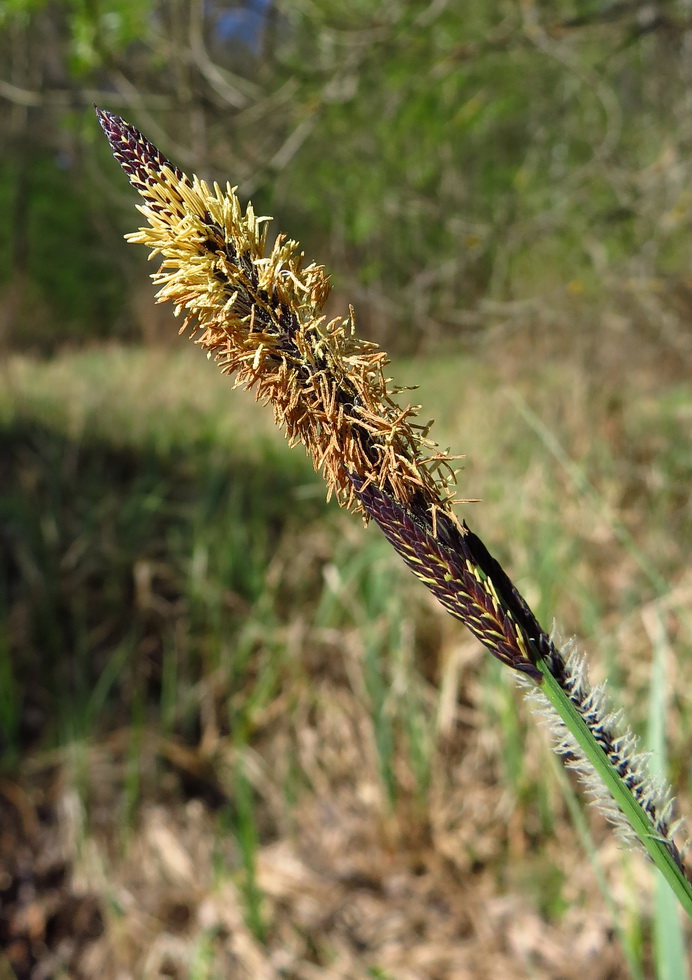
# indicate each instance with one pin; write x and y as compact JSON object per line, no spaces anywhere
{"x":658,"y":849}
{"x":261,"y":318}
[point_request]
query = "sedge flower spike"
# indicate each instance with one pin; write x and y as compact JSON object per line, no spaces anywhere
{"x":258,"y":313}
{"x":260,"y":317}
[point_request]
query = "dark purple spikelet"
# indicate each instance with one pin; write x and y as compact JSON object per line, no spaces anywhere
{"x":135,"y":154}
{"x":140,"y":160}
{"x":459,"y":571}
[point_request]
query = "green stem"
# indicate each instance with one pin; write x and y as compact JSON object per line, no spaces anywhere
{"x":630,"y":807}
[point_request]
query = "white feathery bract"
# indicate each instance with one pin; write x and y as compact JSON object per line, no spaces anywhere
{"x":620,"y":746}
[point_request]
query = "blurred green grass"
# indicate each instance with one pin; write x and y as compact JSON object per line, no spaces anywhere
{"x":139,"y":529}
{"x":177,"y":594}
{"x":147,"y":505}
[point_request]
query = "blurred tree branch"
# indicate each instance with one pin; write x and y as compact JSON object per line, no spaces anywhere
{"x":67,"y":98}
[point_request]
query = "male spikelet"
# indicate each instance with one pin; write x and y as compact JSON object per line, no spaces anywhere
{"x":260,"y":317}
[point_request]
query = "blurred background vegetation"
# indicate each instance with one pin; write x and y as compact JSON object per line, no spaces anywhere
{"x":514,"y":165}
{"x":236,"y":739}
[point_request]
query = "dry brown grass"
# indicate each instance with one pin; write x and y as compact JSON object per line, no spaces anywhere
{"x":446,"y":889}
